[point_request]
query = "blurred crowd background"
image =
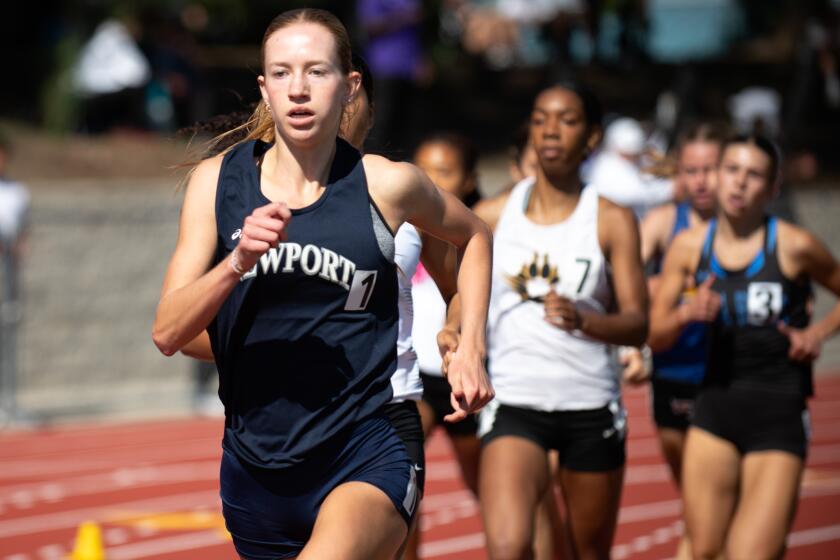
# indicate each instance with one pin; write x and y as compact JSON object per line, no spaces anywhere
{"x":101,"y":97}
{"x":160,"y":65}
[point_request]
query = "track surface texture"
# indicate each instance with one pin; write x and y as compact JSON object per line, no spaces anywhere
{"x":152,"y":488}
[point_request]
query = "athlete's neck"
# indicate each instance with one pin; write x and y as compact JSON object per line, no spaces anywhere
{"x":553,"y":199}
{"x":741,"y":228}
{"x":701,"y":216}
{"x":297,"y":169}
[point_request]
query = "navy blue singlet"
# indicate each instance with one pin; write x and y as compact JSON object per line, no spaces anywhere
{"x":685,"y":362}
{"x":305,"y":345}
{"x":746,"y":348}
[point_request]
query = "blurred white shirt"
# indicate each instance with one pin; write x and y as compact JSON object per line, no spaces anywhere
{"x":110,"y":62}
{"x":621,"y":182}
{"x":537,"y":11}
{"x":14,"y":205}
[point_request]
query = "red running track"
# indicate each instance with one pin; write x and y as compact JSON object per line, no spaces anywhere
{"x":153,"y":489}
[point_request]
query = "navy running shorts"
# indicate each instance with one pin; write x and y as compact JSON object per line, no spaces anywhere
{"x":271,"y":512}
{"x":405,"y":418}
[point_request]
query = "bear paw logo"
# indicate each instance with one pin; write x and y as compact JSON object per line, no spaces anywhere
{"x":535,"y":279}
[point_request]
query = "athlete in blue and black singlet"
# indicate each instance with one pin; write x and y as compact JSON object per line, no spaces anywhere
{"x":754,"y":395}
{"x":749,"y":432}
{"x":305,"y":348}
{"x":677,"y":372}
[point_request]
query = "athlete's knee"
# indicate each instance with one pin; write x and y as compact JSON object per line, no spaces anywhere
{"x":756,"y":548}
{"x":509,"y":545}
{"x":597,"y":549}
{"x":703,"y":549}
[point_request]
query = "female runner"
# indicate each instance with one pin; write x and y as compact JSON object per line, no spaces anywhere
{"x":568,"y":284}
{"x":679,"y":370}
{"x":745,"y":450}
{"x":285,"y":253}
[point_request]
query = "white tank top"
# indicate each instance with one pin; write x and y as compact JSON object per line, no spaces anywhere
{"x":405,"y":381}
{"x":430,"y":315}
{"x":532,"y":363}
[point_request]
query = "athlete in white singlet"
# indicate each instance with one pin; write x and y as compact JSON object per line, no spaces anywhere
{"x":568,"y":285}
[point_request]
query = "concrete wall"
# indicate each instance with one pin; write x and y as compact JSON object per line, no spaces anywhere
{"x":97,"y":255}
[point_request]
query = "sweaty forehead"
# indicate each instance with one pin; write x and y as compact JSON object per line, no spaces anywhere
{"x":438,"y":151}
{"x":700,"y":151}
{"x":748,"y":155}
{"x":299,"y":42}
{"x":558,"y":100}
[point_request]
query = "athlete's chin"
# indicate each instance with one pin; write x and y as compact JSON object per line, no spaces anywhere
{"x":703,"y":204}
{"x":303,"y":136}
{"x":558,"y":168}
{"x":702,"y":201}
{"x":734,"y":213}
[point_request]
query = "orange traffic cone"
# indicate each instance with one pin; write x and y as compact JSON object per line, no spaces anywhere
{"x":88,"y":543}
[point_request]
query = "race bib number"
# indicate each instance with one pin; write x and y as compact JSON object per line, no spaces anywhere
{"x":361,"y":290}
{"x":764,"y":302}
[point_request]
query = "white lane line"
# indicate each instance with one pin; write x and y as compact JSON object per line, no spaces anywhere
{"x":814,"y":536}
{"x":116,"y":536}
{"x":643,"y":447}
{"x":474,"y":541}
{"x":442,"y":547}
{"x":646,"y":474}
{"x":640,"y":474}
{"x":51,"y":552}
{"x":70,"y":519}
{"x":446,"y":499}
{"x":648,"y":511}
{"x":467,"y":542}
{"x":59,"y":450}
{"x":25,"y":495}
{"x":147,"y":549}
{"x":643,"y":543}
{"x":822,"y":454}
{"x":168,"y":545}
{"x":443,"y":470}
{"x":51,"y":467}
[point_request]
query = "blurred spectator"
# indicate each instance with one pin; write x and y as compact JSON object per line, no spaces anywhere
{"x":756,"y":110}
{"x":14,"y":213}
{"x":176,"y":96}
{"x":520,"y":33}
{"x":616,"y":171}
{"x":814,"y":90}
{"x":395,"y":55}
{"x":110,"y":76}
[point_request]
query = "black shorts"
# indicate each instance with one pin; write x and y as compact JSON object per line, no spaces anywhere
{"x":673,"y":403}
{"x":405,"y":419}
{"x":754,"y":420}
{"x":586,"y":440}
{"x":436,"y":393}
